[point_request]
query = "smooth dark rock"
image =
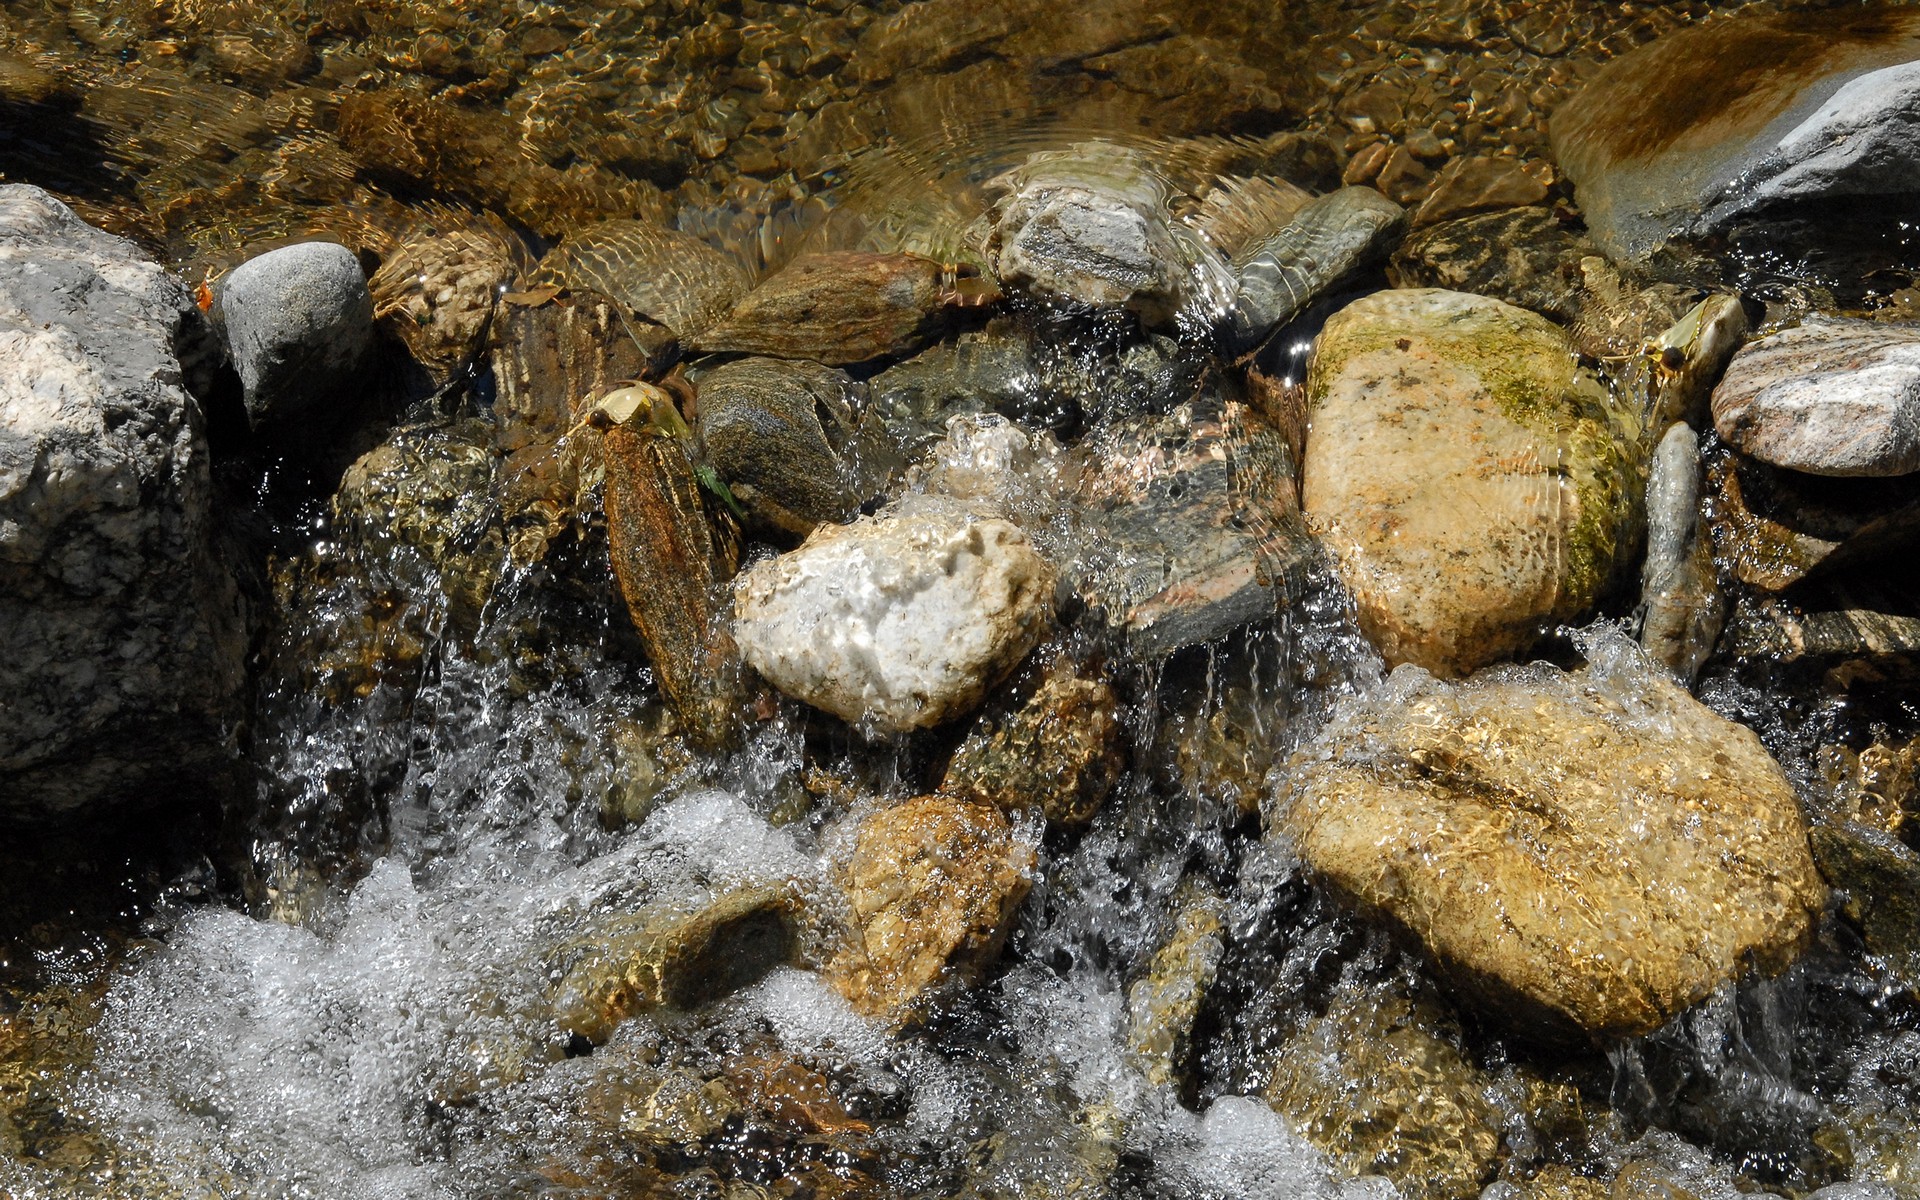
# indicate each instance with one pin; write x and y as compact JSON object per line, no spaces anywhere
{"x":792,"y":441}
{"x":1702,"y":127}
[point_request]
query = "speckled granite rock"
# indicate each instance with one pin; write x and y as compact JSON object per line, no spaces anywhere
{"x":121,"y":640}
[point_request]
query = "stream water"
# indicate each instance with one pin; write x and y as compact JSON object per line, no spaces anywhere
{"x":335,"y":980}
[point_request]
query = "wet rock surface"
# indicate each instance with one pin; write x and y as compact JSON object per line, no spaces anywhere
{"x":1428,"y":406}
{"x":1192,"y":524}
{"x":1828,"y":397}
{"x":792,"y":441}
{"x":1327,"y":242}
{"x":1681,"y":607}
{"x":1423,"y":1120}
{"x":1057,"y":750}
{"x":123,"y":633}
{"x":1598,"y":850}
{"x":901,"y":620}
{"x":932,"y":885}
{"x":1708,"y":124}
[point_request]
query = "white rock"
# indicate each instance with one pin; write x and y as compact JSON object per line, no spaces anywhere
{"x":903,"y":620}
{"x":1829,"y":397}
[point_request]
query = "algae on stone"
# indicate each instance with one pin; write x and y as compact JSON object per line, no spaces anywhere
{"x":1474,"y":484}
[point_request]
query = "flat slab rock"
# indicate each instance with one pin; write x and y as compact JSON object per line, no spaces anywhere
{"x":903,"y":620}
{"x":1705,"y":125}
{"x":1828,"y":397}
{"x":1591,"y":851}
{"x":1190,"y":524}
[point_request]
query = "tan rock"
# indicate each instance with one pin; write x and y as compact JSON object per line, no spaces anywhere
{"x":1164,"y":1005}
{"x":1058,"y":750}
{"x":932,"y":886}
{"x":1473,"y":483}
{"x":668,"y":956}
{"x":1474,"y":185}
{"x":1377,"y":1083}
{"x":1592,"y":851}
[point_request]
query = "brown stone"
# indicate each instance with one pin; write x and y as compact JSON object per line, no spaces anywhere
{"x":1057,"y":750}
{"x":845,"y":307}
{"x":1472,"y":185}
{"x":1591,"y":851}
{"x":673,"y":551}
{"x":932,"y":886}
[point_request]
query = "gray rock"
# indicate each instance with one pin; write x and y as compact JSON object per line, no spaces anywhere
{"x":300,"y":324}
{"x":1090,"y":225}
{"x":1326,"y":242}
{"x":1188,"y":524}
{"x":121,"y":639}
{"x":1855,"y":1191}
{"x":1864,"y":141}
{"x":1703,"y":127}
{"x":1829,"y":397}
{"x":1681,"y":609}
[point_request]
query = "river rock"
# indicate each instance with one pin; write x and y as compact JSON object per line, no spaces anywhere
{"x":1089,"y":225}
{"x":1877,"y":877}
{"x":1325,"y":244}
{"x":1829,"y":397}
{"x":1709,"y":123}
{"x":792,"y":441}
{"x":903,"y":620}
{"x":1776,"y":528}
{"x":1192,"y":527}
{"x":845,"y":307}
{"x":676,"y":956}
{"x":1521,"y":255}
{"x":1591,"y":851}
{"x":1056,"y":749}
{"x":1473,"y":483}
{"x":1681,"y":611}
{"x":1472,"y":185}
{"x":300,"y":324}
{"x":1163,"y":1006}
{"x":1380,"y":1084}
{"x":932,"y":887}
{"x":121,"y":637}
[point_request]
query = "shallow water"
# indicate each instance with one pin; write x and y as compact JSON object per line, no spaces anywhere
{"x":337,"y":983}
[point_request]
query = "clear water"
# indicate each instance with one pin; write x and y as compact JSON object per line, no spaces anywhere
{"x":344,"y":992}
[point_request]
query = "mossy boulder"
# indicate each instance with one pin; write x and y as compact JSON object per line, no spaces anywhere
{"x":1474,"y":484}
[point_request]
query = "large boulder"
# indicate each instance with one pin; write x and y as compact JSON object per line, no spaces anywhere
{"x":1590,"y":851}
{"x":903,"y":620}
{"x":121,"y":637}
{"x":1709,"y":124}
{"x":1828,"y":397}
{"x":1473,"y":483}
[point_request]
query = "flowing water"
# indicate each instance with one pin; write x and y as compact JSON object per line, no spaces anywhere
{"x":335,"y":982}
